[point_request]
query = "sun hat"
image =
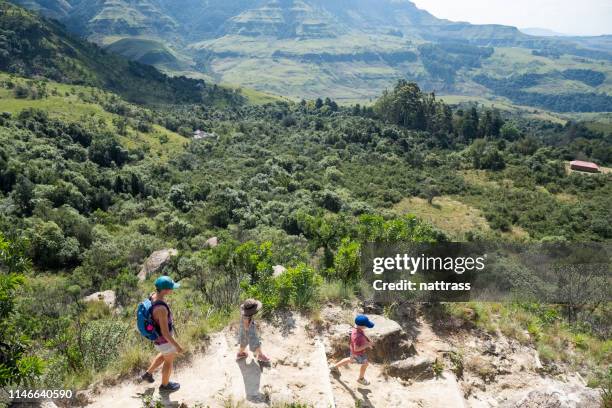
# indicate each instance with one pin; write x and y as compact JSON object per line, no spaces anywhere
{"x":250,"y":307}
{"x":165,"y":282}
{"x":362,"y":320}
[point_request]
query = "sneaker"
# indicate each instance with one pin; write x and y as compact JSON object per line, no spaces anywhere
{"x":170,"y":387}
{"x":240,"y":356}
{"x":262,"y":358}
{"x":148,"y":377}
{"x":363,"y":381}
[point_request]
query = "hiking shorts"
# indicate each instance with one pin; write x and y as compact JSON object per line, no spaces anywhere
{"x":249,"y":337}
{"x":359,"y":359}
{"x":165,"y":348}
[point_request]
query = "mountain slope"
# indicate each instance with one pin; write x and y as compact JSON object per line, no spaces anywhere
{"x":348,"y":49}
{"x":34,"y":47}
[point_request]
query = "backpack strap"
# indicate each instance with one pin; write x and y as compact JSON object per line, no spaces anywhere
{"x":155,"y":323}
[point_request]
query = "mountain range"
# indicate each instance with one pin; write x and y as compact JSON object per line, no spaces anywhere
{"x":346,"y":49}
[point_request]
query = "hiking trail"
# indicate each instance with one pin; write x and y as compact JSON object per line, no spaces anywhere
{"x":400,"y":371}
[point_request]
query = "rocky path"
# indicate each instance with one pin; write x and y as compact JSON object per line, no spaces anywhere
{"x":499,"y":373}
{"x":216,"y":379}
{"x":391,"y":391}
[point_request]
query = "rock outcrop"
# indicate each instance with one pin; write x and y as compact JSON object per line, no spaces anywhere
{"x":278,"y":270}
{"x":391,"y":342}
{"x":155,"y":262}
{"x":568,"y":397}
{"x":211,"y":242}
{"x":413,"y":368}
{"x":107,"y":296}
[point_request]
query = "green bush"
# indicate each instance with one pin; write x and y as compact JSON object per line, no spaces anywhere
{"x":299,"y":286}
{"x":101,"y":342}
{"x":347,"y":262}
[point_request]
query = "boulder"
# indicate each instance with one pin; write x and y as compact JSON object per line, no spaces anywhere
{"x":413,"y":368}
{"x":569,"y":397}
{"x":155,"y":262}
{"x":391,"y":342}
{"x":211,"y":242}
{"x":278,"y":270}
{"x":107,"y":296}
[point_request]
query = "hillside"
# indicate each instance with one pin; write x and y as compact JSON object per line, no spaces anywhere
{"x":93,"y":185}
{"x":349,"y":50}
{"x":33,"y":47}
{"x":274,"y":199}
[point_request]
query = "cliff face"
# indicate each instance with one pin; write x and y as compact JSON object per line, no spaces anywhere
{"x":349,"y":50}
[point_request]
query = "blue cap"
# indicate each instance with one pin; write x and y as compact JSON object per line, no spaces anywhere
{"x":165,"y":282}
{"x":362,"y":320}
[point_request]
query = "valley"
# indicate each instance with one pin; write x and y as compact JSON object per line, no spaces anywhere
{"x":349,"y":51}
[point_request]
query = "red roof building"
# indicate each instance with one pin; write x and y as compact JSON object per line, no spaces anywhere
{"x":580,"y":165}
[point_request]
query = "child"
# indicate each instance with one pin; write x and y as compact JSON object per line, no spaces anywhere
{"x":358,"y":345}
{"x":248,"y":331}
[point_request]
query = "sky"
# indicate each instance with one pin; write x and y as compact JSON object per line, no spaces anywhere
{"x":577,"y":17}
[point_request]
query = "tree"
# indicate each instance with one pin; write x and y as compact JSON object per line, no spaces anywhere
{"x":347,"y":262}
{"x":50,"y":248}
{"x":431,"y":191}
{"x":180,"y":197}
{"x":509,"y":132}
{"x":16,"y":365}
{"x":469,"y":127}
{"x":23,"y":195}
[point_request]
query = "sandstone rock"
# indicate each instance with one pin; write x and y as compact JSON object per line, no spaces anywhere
{"x":556,"y":394}
{"x":107,"y":296}
{"x":539,"y":399}
{"x":413,"y":368}
{"x":211,"y":242}
{"x":278,"y":270}
{"x":155,"y":262}
{"x":391,"y":342}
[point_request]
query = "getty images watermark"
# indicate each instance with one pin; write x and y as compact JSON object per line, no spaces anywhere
{"x":548,"y":273}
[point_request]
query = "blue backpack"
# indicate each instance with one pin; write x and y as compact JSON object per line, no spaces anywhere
{"x":144,"y":319}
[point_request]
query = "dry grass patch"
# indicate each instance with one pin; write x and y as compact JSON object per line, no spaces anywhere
{"x":447,"y":214}
{"x":567,"y":198}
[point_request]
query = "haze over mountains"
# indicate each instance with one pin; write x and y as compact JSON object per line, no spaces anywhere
{"x":347,"y":49}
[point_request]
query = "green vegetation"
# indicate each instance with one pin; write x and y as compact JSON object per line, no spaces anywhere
{"x":514,"y":89}
{"x":35,"y":48}
{"x":146,"y":51}
{"x":16,"y":364}
{"x":300,"y":185}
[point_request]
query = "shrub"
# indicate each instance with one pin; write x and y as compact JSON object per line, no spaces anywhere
{"x":347,"y":262}
{"x":299,"y":286}
{"x":101,"y":342}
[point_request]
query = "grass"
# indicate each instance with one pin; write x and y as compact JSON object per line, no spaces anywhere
{"x":446,"y":213}
{"x":543,"y":327}
{"x":250,"y":61}
{"x":336,"y":291}
{"x":255,"y":97}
